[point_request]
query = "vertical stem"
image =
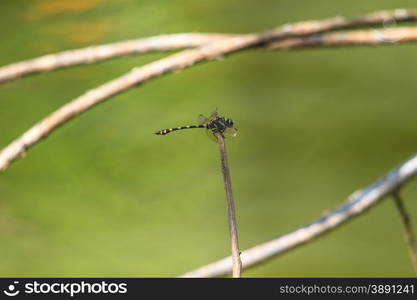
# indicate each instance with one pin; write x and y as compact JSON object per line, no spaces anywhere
{"x":237,"y":263}
{"x":408,"y":230}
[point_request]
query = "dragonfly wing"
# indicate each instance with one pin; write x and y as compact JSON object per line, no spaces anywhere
{"x":230,"y":131}
{"x":211,"y":135}
{"x":202,"y":119}
{"x":214,"y":114}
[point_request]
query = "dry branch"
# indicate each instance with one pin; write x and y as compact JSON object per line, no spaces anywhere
{"x":350,"y":38}
{"x":407,"y":228}
{"x":182,"y":60}
{"x":94,"y":54}
{"x":180,"y":41}
{"x":356,"y":204}
{"x":231,"y":213}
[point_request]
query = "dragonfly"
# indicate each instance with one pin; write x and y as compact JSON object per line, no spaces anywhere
{"x":214,"y":124}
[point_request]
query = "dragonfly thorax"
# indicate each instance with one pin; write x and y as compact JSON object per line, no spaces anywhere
{"x":219,"y":124}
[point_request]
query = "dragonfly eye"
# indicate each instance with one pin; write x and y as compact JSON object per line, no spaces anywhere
{"x":229,"y":122}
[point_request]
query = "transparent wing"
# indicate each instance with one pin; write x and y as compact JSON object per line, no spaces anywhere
{"x":211,"y":135}
{"x":202,"y":119}
{"x":230,"y":131}
{"x":214,"y":114}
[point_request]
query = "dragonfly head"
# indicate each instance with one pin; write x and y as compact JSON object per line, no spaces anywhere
{"x":229,"y":122}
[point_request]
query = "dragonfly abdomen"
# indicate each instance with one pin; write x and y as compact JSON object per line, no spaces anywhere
{"x":168,"y":130}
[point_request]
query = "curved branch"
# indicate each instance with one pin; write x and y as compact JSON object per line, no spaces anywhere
{"x":164,"y":43}
{"x":181,"y":61}
{"x":350,"y":38}
{"x":102,"y":52}
{"x":356,"y":204}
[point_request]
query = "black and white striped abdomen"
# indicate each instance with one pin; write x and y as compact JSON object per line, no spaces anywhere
{"x":168,"y":130}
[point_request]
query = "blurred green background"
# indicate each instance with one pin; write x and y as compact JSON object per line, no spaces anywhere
{"x":103,"y":196}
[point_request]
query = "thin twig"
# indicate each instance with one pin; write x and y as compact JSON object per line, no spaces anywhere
{"x":231,"y":214}
{"x":349,"y":38}
{"x":408,"y":229}
{"x":99,"y":53}
{"x":181,"y":61}
{"x":178,"y":41}
{"x":356,"y":205}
